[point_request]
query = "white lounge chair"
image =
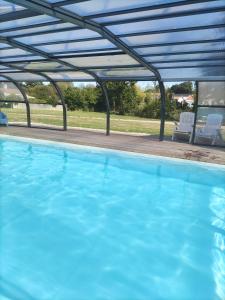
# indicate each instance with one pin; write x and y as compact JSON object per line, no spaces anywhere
{"x":211,"y":129}
{"x":185,"y":125}
{"x":3,"y":119}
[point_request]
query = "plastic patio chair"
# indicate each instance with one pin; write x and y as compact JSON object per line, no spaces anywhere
{"x":185,"y":125}
{"x":3,"y":119}
{"x":211,"y":129}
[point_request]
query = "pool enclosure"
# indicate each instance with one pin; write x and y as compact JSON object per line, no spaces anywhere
{"x":105,"y":40}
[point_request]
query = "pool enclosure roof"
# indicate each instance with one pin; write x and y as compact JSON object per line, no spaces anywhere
{"x":97,"y":40}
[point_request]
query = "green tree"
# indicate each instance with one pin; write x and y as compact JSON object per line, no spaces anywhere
{"x":123,"y":96}
{"x":40,"y":93}
{"x":182,"y":88}
{"x":81,"y":98}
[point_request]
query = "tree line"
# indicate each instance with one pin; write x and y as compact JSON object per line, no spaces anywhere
{"x":126,"y":97}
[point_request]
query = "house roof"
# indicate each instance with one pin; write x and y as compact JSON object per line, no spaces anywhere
{"x":89,"y":40}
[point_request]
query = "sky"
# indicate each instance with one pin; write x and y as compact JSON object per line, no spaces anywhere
{"x":142,"y":84}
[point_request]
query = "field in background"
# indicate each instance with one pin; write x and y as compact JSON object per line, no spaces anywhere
{"x":92,"y":120}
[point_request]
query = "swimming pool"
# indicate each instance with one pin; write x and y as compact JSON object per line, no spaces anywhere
{"x":83,"y":223}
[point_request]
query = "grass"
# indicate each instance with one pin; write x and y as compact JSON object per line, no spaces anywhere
{"x":92,"y":120}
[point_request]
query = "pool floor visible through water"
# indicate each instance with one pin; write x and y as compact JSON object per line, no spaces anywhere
{"x":85,"y":223}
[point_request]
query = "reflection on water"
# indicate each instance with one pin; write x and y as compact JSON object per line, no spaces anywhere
{"x":217,"y":206}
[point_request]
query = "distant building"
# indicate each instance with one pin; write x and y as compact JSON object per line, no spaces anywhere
{"x":7,"y":90}
{"x":184,"y":99}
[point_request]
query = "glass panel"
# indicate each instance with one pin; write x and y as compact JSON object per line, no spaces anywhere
{"x":209,"y":134}
{"x":8,"y":91}
{"x":27,"y":21}
{"x":171,"y":23}
{"x":59,"y":36}
{"x":38,"y":29}
{"x":106,"y":60}
{"x":124,"y":73}
{"x":77,"y":46}
{"x":101,"y":6}
{"x":209,"y":73}
{"x":2,"y":78}
{"x":181,"y":48}
{"x":211,"y":93}
{"x":6,"y":7}
{"x":159,"y":12}
{"x":69,"y":76}
{"x":26,"y":77}
{"x":16,"y":112}
{"x":174,"y":37}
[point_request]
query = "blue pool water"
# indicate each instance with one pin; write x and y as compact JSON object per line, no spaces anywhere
{"x":87,"y":224}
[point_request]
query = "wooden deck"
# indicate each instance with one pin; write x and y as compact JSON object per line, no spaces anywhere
{"x":140,"y":144}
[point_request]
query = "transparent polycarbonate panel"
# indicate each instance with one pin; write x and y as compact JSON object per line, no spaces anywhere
{"x":69,"y":76}
{"x":27,"y":22}
{"x":8,"y":91}
{"x":16,"y":112}
{"x":22,"y":58}
{"x":159,"y":12}
{"x":126,"y":73}
{"x":171,"y":23}
{"x":7,"y":7}
{"x":26,"y":77}
{"x":189,"y":64}
{"x":59,"y":36}
{"x":13,"y":51}
{"x":48,"y":65}
{"x":74,"y":53}
{"x":206,"y":135}
{"x":2,"y":67}
{"x":53,"y":1}
{"x":77,"y":46}
{"x":199,"y":56}
{"x":186,"y":36}
{"x":8,"y":71}
{"x":211,"y":93}
{"x":206,"y":73}
{"x":106,"y":60}
{"x":3,"y":46}
{"x":102,"y":6}
{"x":37,"y":29}
{"x":46,"y":115}
{"x":213,"y":46}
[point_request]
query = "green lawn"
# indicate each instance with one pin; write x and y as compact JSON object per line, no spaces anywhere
{"x":90,"y":120}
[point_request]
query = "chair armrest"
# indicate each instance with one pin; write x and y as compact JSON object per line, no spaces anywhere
{"x":176,"y":125}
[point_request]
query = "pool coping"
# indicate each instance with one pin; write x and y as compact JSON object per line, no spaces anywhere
{"x":71,"y":146}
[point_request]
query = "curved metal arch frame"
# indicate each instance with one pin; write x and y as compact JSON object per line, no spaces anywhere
{"x":61,"y":97}
{"x":66,"y":16}
{"x":23,"y":93}
{"x":60,"y":94}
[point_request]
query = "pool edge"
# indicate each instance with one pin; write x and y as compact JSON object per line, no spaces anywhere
{"x":73,"y":146}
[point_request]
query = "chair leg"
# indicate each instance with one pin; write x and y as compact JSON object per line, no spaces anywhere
{"x":190,"y":139}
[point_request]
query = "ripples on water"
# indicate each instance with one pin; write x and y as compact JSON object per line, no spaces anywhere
{"x":91,"y":224}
